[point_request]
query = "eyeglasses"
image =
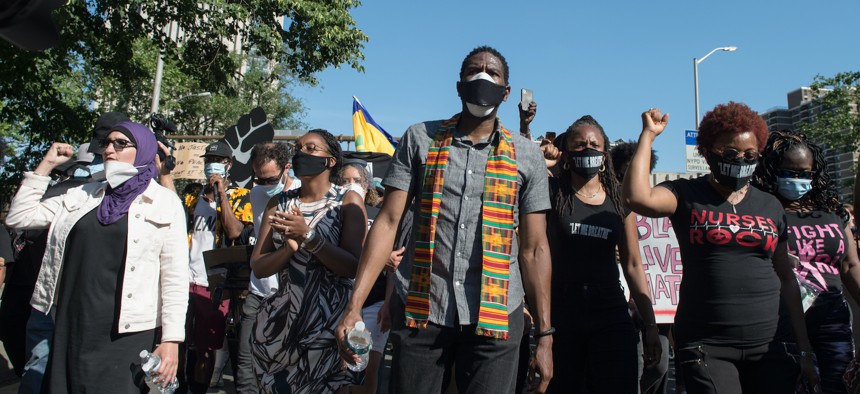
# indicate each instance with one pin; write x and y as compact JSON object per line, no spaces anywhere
{"x":310,"y":148}
{"x":269,"y":181}
{"x":118,"y":144}
{"x":785,"y":173}
{"x":750,"y":156}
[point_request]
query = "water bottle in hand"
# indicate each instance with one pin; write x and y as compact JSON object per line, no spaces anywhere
{"x":359,"y":341}
{"x":149,"y":363}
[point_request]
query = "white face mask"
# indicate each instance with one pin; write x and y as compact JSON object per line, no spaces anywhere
{"x":480,"y":111}
{"x":357,"y":188}
{"x":117,"y":172}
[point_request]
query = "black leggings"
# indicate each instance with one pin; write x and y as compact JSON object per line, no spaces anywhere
{"x":594,"y":348}
{"x":769,"y":368}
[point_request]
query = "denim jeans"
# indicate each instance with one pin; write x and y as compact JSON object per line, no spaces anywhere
{"x":424,"y":358}
{"x":40,"y":331}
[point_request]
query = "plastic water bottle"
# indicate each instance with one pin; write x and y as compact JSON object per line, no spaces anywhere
{"x":149,"y":363}
{"x":359,"y":341}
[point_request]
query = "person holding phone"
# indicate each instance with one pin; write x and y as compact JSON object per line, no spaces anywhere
{"x":312,"y":237}
{"x":218,"y":217}
{"x":793,"y":170}
{"x":733,"y":240}
{"x":116,"y":266}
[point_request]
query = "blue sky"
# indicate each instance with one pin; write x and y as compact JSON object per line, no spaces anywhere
{"x":612,"y":60}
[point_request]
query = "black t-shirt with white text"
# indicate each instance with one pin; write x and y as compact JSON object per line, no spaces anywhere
{"x":585,"y":242}
{"x":730,"y":291}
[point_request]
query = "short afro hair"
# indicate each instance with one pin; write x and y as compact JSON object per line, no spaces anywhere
{"x":490,"y":50}
{"x":623,"y":153}
{"x":732,"y":118}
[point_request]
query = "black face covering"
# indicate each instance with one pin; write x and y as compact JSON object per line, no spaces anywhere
{"x":308,"y":165}
{"x":733,"y":174}
{"x":586,"y":163}
{"x":482,"y":92}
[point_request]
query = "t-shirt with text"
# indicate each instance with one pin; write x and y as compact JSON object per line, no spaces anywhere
{"x":205,"y":231}
{"x":818,"y":239}
{"x":730,"y":291}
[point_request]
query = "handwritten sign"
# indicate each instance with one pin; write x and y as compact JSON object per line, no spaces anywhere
{"x":661,"y":258}
{"x":189,"y":164}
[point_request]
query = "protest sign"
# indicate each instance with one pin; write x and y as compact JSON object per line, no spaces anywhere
{"x":661,"y":259}
{"x":189,"y":164}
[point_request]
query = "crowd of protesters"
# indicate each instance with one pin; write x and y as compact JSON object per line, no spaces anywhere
{"x":486,"y":261}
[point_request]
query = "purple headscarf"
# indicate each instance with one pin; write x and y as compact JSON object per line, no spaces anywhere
{"x":117,"y":201}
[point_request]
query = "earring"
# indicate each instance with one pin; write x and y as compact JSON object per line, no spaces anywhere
{"x":602,"y":167}
{"x":565,"y":166}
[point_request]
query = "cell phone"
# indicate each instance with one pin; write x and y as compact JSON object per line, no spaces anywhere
{"x":525,"y":99}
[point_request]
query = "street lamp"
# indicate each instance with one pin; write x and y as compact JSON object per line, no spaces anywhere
{"x":696,"y":75}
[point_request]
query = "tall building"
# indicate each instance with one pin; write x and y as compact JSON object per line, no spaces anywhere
{"x":802,"y":109}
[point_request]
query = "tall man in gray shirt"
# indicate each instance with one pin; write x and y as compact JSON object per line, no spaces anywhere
{"x":463,"y":262}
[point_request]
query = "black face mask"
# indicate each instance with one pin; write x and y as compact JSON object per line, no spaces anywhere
{"x":482,"y":92}
{"x":308,"y":165}
{"x":733,"y":174}
{"x":586,"y":163}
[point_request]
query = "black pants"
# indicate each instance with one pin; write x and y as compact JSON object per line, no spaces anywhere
{"x":828,"y":323}
{"x":770,"y":368}
{"x":423,"y":358}
{"x":246,"y":380}
{"x":594,"y":347}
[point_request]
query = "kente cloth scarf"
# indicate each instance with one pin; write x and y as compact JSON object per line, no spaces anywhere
{"x":497,"y":232}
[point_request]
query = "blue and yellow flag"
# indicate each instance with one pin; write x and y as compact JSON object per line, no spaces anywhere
{"x":369,"y":136}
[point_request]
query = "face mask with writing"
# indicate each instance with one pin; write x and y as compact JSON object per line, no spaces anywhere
{"x":586,"y":163}
{"x":734,"y":173}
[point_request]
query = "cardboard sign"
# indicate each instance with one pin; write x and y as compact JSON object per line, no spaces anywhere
{"x":251,"y":129}
{"x":661,"y":259}
{"x":189,"y":164}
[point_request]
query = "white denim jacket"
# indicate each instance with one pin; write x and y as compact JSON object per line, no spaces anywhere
{"x":155,"y":281}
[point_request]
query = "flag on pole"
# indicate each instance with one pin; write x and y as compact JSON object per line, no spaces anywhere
{"x":369,"y":136}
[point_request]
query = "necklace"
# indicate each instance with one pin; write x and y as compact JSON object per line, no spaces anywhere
{"x":738,"y":196}
{"x":588,"y":196}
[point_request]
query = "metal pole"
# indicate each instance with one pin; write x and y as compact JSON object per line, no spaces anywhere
{"x":696,"y":89}
{"x":159,"y":73}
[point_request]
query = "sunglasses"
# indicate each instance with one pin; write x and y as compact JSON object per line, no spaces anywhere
{"x":269,"y":181}
{"x":118,"y":144}
{"x":784,"y":173}
{"x":728,"y":154}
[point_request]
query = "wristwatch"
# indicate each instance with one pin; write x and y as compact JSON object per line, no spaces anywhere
{"x":311,"y":234}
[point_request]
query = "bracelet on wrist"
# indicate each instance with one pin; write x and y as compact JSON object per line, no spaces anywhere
{"x":319,"y":245}
{"x":805,"y":354}
{"x":545,"y":333}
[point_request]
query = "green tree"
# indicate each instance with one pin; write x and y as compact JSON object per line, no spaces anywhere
{"x":837,"y":121}
{"x":57,"y":94}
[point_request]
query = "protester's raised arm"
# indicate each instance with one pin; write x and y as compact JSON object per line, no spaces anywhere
{"x":636,"y":188}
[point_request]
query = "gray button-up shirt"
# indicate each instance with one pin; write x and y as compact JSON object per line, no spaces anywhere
{"x":455,"y":284}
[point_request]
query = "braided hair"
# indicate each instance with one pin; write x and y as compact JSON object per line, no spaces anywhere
{"x":823,"y":194}
{"x":562,"y":197}
{"x":333,"y":149}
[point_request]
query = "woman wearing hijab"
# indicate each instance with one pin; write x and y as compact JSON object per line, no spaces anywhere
{"x":116,"y":266}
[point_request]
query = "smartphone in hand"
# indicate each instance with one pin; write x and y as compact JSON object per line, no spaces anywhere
{"x":525,"y":99}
